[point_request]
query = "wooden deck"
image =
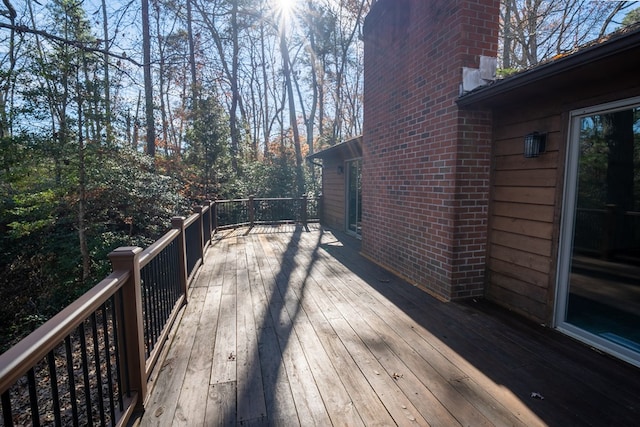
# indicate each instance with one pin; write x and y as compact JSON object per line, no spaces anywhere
{"x":286,"y":326}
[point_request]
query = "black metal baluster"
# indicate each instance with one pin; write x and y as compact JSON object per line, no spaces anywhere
{"x":116,"y":347}
{"x":124,"y":344}
{"x":161,"y":301}
{"x":107,"y":355}
{"x":167,"y":277}
{"x":85,"y":373}
{"x":71,"y":380}
{"x":53,"y":379}
{"x":172,"y":257}
{"x":96,"y":361}
{"x":147,"y":310}
{"x":33,"y":398}
{"x":6,"y":409}
{"x":177,"y":290}
{"x":162,"y":278}
{"x":156,"y":300}
{"x":169,"y":259}
{"x":164,"y":263}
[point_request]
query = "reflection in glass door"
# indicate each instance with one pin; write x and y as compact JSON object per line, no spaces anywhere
{"x":354,"y":197}
{"x":599,"y":277}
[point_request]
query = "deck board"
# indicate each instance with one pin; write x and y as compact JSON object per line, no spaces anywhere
{"x":287,"y":326}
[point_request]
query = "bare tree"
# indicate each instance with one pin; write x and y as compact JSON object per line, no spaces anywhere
{"x":535,"y":30}
{"x":6,"y":77}
{"x":107,"y":81}
{"x":293,"y":122}
{"x":148,"y":83}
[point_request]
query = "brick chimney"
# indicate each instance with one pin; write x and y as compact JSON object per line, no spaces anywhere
{"x":426,"y":162}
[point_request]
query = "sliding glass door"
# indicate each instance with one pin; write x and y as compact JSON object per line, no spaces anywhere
{"x":354,"y":197}
{"x":599,"y":277}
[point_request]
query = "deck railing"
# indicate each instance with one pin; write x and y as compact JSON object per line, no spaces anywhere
{"x":90,"y":363}
{"x":255,"y":210}
{"x":607,"y":232}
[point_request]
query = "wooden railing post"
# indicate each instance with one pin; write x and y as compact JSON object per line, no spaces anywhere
{"x":320,"y":208}
{"x":200,"y":211}
{"x":177,"y":222}
{"x":132,"y":328}
{"x":252,"y":211}
{"x":214,"y":217}
{"x":303,"y":208}
{"x":209,"y":204}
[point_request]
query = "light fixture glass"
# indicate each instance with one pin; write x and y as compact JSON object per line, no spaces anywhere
{"x":534,"y":144}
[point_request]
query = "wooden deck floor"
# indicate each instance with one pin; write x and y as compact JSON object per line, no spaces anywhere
{"x":292,"y":327}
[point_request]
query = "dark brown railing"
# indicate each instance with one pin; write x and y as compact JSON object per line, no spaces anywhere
{"x":90,"y":363}
{"x":255,"y":210}
{"x":607,"y":232}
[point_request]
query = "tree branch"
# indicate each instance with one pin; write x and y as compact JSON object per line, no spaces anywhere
{"x":21,"y":29}
{"x":11,"y":11}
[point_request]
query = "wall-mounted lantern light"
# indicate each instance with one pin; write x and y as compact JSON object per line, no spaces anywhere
{"x":534,"y":144}
{"x":340,"y":170}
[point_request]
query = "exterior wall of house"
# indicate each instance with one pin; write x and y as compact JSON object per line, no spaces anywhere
{"x":524,"y":223}
{"x":425,"y":162}
{"x":527,"y":194}
{"x":333,"y":193}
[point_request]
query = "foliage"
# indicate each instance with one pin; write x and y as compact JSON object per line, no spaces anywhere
{"x":71,"y":193}
{"x":207,"y":154}
{"x":633,"y":17}
{"x":506,"y":72}
{"x":608,"y":172}
{"x":128,"y":203}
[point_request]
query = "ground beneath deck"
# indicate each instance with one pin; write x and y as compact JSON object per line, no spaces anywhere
{"x":287,"y":326}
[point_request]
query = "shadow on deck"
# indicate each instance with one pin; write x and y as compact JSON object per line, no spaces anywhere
{"x":291,"y":326}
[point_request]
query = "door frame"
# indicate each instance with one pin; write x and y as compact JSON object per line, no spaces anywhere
{"x":346,"y":196}
{"x":567,"y":224}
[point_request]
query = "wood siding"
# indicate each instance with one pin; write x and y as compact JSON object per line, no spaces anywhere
{"x":521,"y":228}
{"x":526,"y":200}
{"x":333,"y":192}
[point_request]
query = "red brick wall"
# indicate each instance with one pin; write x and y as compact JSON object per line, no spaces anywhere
{"x":425,"y":162}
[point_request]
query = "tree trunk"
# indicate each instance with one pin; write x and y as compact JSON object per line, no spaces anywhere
{"x":284,"y":50}
{"x":148,"y":84}
{"x":136,"y":123}
{"x":192,"y":58}
{"x":233,"y":113}
{"x":161,"y":71}
{"x":507,"y":35}
{"x":310,"y":122}
{"x":82,"y":191}
{"x":107,"y":81}
{"x":619,"y":135}
{"x":7,"y":77}
{"x":265,"y":84}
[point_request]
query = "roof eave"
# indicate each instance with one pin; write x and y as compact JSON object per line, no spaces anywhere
{"x":545,"y":71}
{"x":357,"y":141}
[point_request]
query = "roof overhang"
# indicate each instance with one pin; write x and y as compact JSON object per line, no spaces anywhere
{"x":349,"y":149}
{"x":615,"y":58}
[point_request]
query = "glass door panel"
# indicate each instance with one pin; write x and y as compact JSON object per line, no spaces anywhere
{"x":354,"y":196}
{"x":602,"y":293}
